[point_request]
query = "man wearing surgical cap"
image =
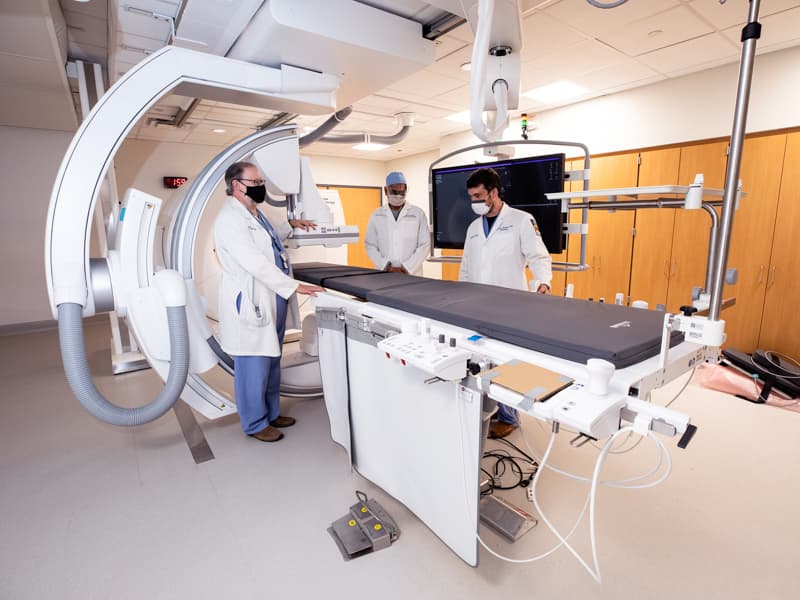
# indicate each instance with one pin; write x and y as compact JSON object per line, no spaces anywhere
{"x":397,"y":237}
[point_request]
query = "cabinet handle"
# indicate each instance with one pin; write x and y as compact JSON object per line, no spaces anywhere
{"x":666,"y":268}
{"x":599,"y":262}
{"x":674,"y":269}
{"x":771,"y":281}
{"x":760,"y":273}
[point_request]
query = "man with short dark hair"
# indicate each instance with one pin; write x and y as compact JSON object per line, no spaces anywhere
{"x":498,"y":246}
{"x":254,"y":299}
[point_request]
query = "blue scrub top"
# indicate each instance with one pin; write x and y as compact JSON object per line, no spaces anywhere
{"x":278,"y":250}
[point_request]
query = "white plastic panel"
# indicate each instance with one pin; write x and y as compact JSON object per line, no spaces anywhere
{"x":419,"y":442}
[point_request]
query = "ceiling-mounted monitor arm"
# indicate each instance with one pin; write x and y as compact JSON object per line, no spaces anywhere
{"x":557,"y":266}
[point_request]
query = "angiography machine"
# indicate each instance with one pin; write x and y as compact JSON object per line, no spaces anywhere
{"x":410,"y":368}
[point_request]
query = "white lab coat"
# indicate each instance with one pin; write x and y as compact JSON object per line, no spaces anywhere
{"x":244,"y":250}
{"x":500,"y":258}
{"x":405,"y":242}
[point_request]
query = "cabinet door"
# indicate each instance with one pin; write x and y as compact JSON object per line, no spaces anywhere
{"x":609,"y":244}
{"x":751,"y":241}
{"x":691,"y":231}
{"x":358,"y":204}
{"x":780,"y":323}
{"x":450,"y":270}
{"x":652,"y":244}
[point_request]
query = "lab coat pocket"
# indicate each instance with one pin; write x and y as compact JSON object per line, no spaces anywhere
{"x":250,"y":312}
{"x":503,"y":243}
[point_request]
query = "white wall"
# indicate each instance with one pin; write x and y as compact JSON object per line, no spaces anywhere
{"x":31,"y":158}
{"x":694,"y":107}
{"x":331,"y":170}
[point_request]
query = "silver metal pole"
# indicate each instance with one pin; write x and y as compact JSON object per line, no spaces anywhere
{"x":712,"y":246}
{"x":750,"y":35}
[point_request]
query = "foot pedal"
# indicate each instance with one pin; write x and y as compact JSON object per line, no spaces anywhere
{"x":365,"y":529}
{"x":506,"y":519}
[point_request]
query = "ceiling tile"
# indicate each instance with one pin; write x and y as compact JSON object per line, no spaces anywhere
{"x":137,"y":24}
{"x":426,"y":84}
{"x":693,"y":53}
{"x":164,"y":133}
{"x":595,"y":22}
{"x":664,"y":29}
{"x":98,"y":10}
{"x":776,"y":29}
{"x":451,"y":65}
{"x":458,"y":98}
{"x":447,"y":45}
{"x":542,"y":34}
{"x":86,"y":52}
{"x":626,"y":72}
{"x":735,"y":12}
{"x":579,"y":58}
{"x":86,"y":29}
{"x":462,"y":32}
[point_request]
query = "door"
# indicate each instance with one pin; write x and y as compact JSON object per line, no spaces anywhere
{"x":751,"y":241}
{"x":691,"y":231}
{"x":652,"y":244}
{"x":780,"y":323}
{"x":609,"y":244}
{"x":358,"y":204}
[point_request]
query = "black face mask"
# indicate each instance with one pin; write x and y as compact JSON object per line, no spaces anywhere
{"x":257,"y":193}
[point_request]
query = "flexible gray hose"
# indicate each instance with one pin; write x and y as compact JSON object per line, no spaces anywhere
{"x":356,"y":138}
{"x":73,"y":355}
{"x":326,"y":127}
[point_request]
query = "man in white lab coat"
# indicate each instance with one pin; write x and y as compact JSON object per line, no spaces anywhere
{"x":397,"y":235}
{"x":254,"y":299}
{"x":497,"y":247}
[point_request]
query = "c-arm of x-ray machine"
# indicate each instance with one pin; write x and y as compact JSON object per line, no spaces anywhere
{"x":168,"y":317}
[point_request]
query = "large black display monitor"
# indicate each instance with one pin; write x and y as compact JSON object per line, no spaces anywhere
{"x":523,"y":185}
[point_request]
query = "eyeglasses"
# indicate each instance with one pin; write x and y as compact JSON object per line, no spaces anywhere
{"x":254,"y":181}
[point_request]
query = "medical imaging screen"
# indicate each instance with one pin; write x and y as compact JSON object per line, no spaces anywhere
{"x":523,"y":185}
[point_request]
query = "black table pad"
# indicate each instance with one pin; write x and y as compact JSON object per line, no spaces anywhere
{"x":568,"y":328}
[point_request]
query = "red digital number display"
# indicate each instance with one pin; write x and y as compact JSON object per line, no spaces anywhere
{"x":173,"y":183}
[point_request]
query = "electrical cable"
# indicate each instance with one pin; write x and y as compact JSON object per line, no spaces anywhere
{"x":615,"y":483}
{"x":683,"y":389}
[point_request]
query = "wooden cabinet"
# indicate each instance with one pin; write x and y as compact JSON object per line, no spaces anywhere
{"x":691,"y":230}
{"x":780,"y":322}
{"x":609,"y":244}
{"x":652,"y":244}
{"x":751,"y":241}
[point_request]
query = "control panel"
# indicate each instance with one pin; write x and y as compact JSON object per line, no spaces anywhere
{"x":438,"y":356}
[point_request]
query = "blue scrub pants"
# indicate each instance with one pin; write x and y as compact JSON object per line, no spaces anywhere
{"x":506,"y":414}
{"x":257,"y":381}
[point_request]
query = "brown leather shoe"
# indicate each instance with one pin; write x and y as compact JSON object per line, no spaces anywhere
{"x":268,"y":434}
{"x":498,"y":429}
{"x":283,"y":422}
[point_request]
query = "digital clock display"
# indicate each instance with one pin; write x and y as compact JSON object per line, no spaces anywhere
{"x":173,"y":183}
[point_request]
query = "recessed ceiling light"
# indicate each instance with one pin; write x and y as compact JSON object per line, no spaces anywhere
{"x":218,"y":130}
{"x":467,"y":66}
{"x":460,"y":117}
{"x":370,"y":146}
{"x":556,"y":91}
